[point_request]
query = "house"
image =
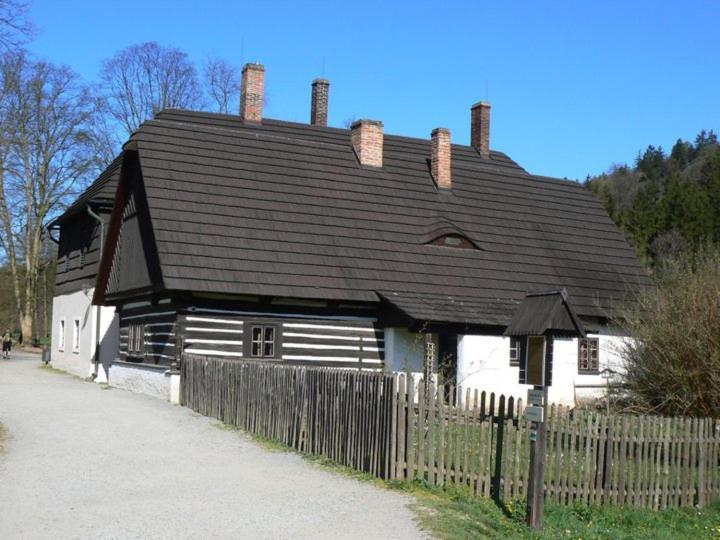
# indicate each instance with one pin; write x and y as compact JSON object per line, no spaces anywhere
{"x":243,"y":237}
{"x":75,"y":337}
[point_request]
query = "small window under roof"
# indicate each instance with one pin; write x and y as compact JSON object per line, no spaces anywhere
{"x":440,"y":231}
{"x":453,"y":240}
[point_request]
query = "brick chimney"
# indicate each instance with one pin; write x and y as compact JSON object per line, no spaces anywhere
{"x":480,"y":128}
{"x":441,"y":157}
{"x":252,"y":92}
{"x":367,"y":141}
{"x":319,"y":104}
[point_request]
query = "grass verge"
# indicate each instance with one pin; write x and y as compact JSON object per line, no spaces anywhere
{"x":3,"y":438}
{"x":50,"y":369}
{"x":455,"y":513}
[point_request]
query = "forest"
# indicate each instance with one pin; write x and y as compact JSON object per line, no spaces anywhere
{"x":667,"y":205}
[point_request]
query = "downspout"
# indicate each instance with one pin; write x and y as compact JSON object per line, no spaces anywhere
{"x":97,"y":308}
{"x":50,"y":236}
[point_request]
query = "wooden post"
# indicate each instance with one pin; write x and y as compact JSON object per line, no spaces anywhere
{"x":536,"y":481}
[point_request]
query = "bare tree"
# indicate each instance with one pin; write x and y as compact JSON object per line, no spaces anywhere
{"x":141,"y":80}
{"x":672,"y":367}
{"x":222,"y":80}
{"x":46,"y":155}
{"x":15,"y":29}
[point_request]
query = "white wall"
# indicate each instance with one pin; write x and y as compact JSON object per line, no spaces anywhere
{"x":483,"y":364}
{"x":80,"y":361}
{"x":405,"y":353}
{"x":404,"y":350}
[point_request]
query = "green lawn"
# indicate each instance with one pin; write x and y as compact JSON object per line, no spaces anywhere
{"x":3,"y":438}
{"x":460,"y":515}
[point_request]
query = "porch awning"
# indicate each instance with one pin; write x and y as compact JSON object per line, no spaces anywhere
{"x":544,"y":313}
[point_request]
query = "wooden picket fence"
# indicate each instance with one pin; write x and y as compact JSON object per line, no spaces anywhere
{"x":343,"y":415}
{"x":393,"y":427}
{"x":482,"y":441}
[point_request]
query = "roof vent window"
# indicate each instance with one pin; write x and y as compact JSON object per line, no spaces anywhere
{"x":454,"y":241}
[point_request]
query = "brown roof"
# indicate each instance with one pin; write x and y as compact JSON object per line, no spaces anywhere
{"x":284,"y":209}
{"x":100,"y":192}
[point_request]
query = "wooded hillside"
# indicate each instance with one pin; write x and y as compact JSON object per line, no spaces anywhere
{"x":666,"y":204}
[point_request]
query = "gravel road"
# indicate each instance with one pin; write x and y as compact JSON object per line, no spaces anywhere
{"x":85,"y":462}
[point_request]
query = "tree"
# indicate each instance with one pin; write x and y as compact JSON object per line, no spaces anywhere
{"x":15,"y":29}
{"x":46,"y":155}
{"x":141,"y":80}
{"x":223,"y":83}
{"x":666,"y":205}
{"x":672,"y":367}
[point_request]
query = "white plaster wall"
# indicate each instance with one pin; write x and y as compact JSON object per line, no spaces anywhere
{"x":404,"y":350}
{"x":152,"y":381}
{"x":81,"y":360}
{"x":405,"y":353}
{"x":483,"y":364}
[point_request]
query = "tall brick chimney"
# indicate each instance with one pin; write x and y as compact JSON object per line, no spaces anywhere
{"x":252,"y":92}
{"x":319,"y":104}
{"x":480,"y":128}
{"x":441,"y":157}
{"x":367,"y":141}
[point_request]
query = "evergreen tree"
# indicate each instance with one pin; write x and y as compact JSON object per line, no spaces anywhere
{"x":666,"y":205}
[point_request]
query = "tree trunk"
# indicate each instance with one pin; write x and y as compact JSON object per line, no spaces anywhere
{"x":26,"y":327}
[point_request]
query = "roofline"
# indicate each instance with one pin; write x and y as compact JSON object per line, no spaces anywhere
{"x":276,"y":121}
{"x":75,"y":210}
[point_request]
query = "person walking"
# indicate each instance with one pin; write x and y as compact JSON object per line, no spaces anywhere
{"x":6,"y":344}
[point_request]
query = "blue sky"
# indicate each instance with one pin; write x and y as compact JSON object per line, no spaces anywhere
{"x":575,"y":86}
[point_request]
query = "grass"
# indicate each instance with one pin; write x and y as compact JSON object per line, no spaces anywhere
{"x":50,"y":369}
{"x":3,"y":438}
{"x":456,"y":513}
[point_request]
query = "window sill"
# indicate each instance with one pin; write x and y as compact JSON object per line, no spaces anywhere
{"x":589,"y":372}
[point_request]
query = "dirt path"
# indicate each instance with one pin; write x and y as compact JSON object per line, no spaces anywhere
{"x":84,"y":462}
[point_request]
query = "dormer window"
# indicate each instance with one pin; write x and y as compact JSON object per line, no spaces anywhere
{"x":454,"y":241}
{"x":441,"y":231}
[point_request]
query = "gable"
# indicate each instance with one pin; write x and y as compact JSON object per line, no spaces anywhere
{"x":130,"y":262}
{"x":78,"y":253}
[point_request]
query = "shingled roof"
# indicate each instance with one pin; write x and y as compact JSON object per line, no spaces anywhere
{"x":100,"y":192}
{"x":284,"y":209}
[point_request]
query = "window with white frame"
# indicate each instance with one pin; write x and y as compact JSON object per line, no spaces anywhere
{"x":61,"y":335}
{"x":514,"y":352}
{"x":76,"y":335}
{"x":588,"y":355}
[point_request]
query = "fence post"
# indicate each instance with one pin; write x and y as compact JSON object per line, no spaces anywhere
{"x":499,"y":448}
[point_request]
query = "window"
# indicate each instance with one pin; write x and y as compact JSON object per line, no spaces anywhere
{"x":454,"y":240}
{"x":61,"y":335}
{"x":514,"y":352}
{"x":76,"y":335}
{"x":535,"y":361}
{"x":136,"y":339}
{"x":263,"y":342}
{"x":588,"y":355}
